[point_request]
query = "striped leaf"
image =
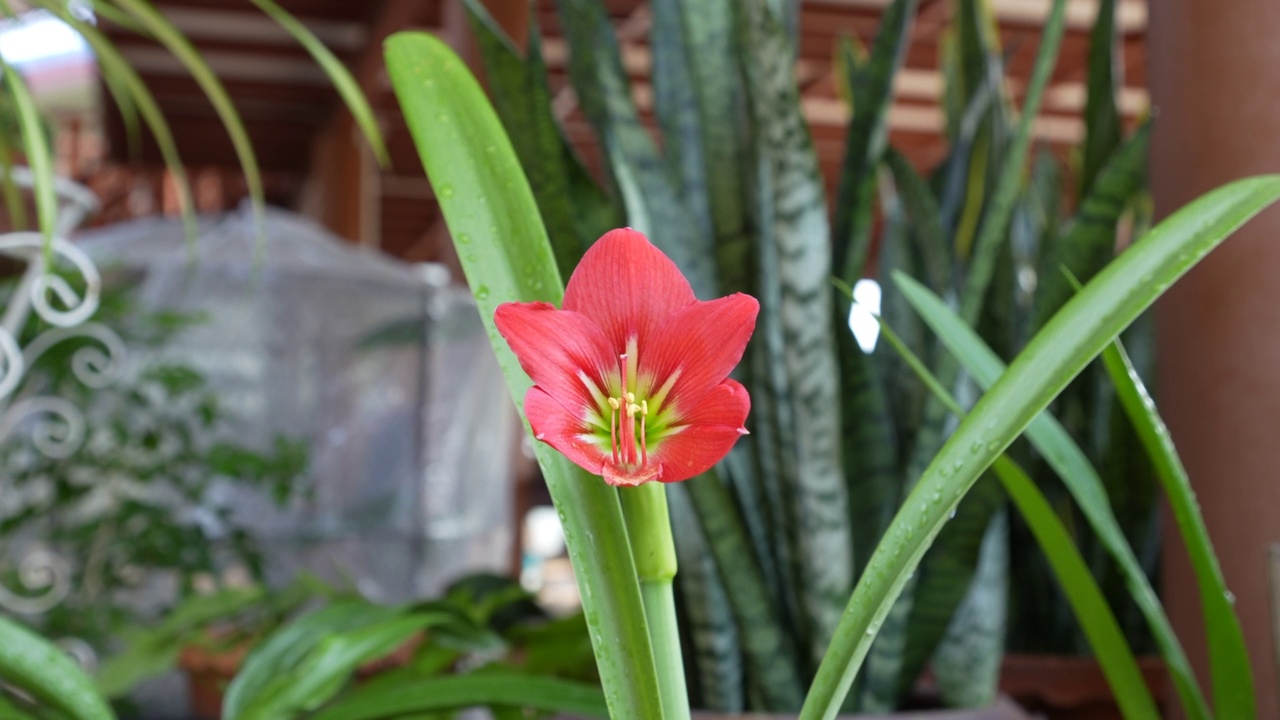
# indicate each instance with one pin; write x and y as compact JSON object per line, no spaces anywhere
{"x":795,"y":317}
{"x":709,"y":622}
{"x":1101,"y":116}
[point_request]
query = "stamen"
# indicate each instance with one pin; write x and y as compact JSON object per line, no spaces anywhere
{"x":613,"y":428}
{"x":644,"y":449}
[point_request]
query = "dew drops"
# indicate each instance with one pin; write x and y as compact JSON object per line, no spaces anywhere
{"x":976,"y":447}
{"x":952,"y":514}
{"x":482,"y":293}
{"x":442,"y":117}
{"x":1230,"y":596}
{"x":464,"y":238}
{"x":946,"y":472}
{"x":446,"y":191}
{"x":993,"y":446}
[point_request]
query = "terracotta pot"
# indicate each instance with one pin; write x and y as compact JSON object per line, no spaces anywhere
{"x":1003,"y":709}
{"x":1073,"y":688}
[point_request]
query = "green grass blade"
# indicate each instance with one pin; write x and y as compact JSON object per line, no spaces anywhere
{"x":796,"y":310}
{"x":995,"y":223}
{"x":42,"y":670}
{"x":14,"y":206}
{"x":114,"y":65}
{"x":1071,"y":464}
{"x":1066,"y":344}
{"x":506,"y":257}
{"x":458,"y":692}
{"x":1233,"y":691}
{"x":186,"y":53}
{"x":35,"y":144}
{"x":1081,"y":589}
{"x":346,"y":85}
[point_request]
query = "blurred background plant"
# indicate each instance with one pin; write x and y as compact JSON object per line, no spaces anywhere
{"x":128,"y":521}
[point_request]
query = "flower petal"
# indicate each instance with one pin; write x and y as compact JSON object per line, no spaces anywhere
{"x":556,"y":427}
{"x":714,"y":425}
{"x":557,"y":348}
{"x":627,"y":286}
{"x":703,"y":342}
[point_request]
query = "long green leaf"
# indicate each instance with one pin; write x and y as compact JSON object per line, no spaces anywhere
{"x":1066,"y":344}
{"x":39,"y":668}
{"x":186,"y":53}
{"x":865,"y":140}
{"x":458,"y":692}
{"x":1096,"y":618}
{"x":1101,"y":116}
{"x":522,"y":97}
{"x":771,"y":658}
{"x":35,"y":144}
{"x":1071,"y":464}
{"x":1233,"y":692}
{"x":346,"y":85}
{"x":653,"y":203}
{"x":995,"y":223}
{"x":114,"y":64}
{"x":1090,"y":240}
{"x":506,"y":256}
{"x":796,"y":315}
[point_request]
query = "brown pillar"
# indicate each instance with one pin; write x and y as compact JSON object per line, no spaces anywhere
{"x":1215,"y":83}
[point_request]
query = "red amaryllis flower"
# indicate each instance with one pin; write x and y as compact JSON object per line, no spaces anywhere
{"x":631,"y":377}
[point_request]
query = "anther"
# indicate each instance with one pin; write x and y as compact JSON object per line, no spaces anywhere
{"x":613,"y":403}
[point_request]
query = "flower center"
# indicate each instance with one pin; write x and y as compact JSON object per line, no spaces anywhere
{"x":622,"y":423}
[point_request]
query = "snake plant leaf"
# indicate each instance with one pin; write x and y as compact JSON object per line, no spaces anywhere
{"x":1101,"y":116}
{"x":967,"y":661}
{"x":1232,"y":676}
{"x":1063,"y":347}
{"x":718,"y":679}
{"x":1071,"y":464}
{"x":459,"y":692}
{"x":995,"y":223}
{"x":522,"y":96}
{"x":771,"y":658}
{"x":675,"y":99}
{"x":653,"y":204}
{"x":44,"y":671}
{"x":796,"y":321}
{"x":865,"y":140}
{"x":158,"y":26}
{"x":505,"y":254}
{"x":1114,"y":654}
{"x":343,"y":81}
{"x":1089,"y":242}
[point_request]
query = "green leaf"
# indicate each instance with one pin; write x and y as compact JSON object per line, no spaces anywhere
{"x":186,"y":53}
{"x":771,"y":658}
{"x":506,"y":257}
{"x":522,"y":97}
{"x":40,"y":669}
{"x":1066,"y":344}
{"x":1090,"y":240}
{"x":463,"y":691}
{"x":995,"y":223}
{"x":1082,"y":591}
{"x":795,"y":323}
{"x":708,"y":617}
{"x":1071,"y":464}
{"x":653,"y":203}
{"x":1101,"y":117}
{"x":1233,"y":692}
{"x":346,"y":85}
{"x":865,"y":140}
{"x":36,"y":147}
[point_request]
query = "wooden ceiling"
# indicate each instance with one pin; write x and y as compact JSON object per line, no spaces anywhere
{"x":288,"y":105}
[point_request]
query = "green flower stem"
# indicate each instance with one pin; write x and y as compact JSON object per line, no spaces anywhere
{"x":654,"y":550}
